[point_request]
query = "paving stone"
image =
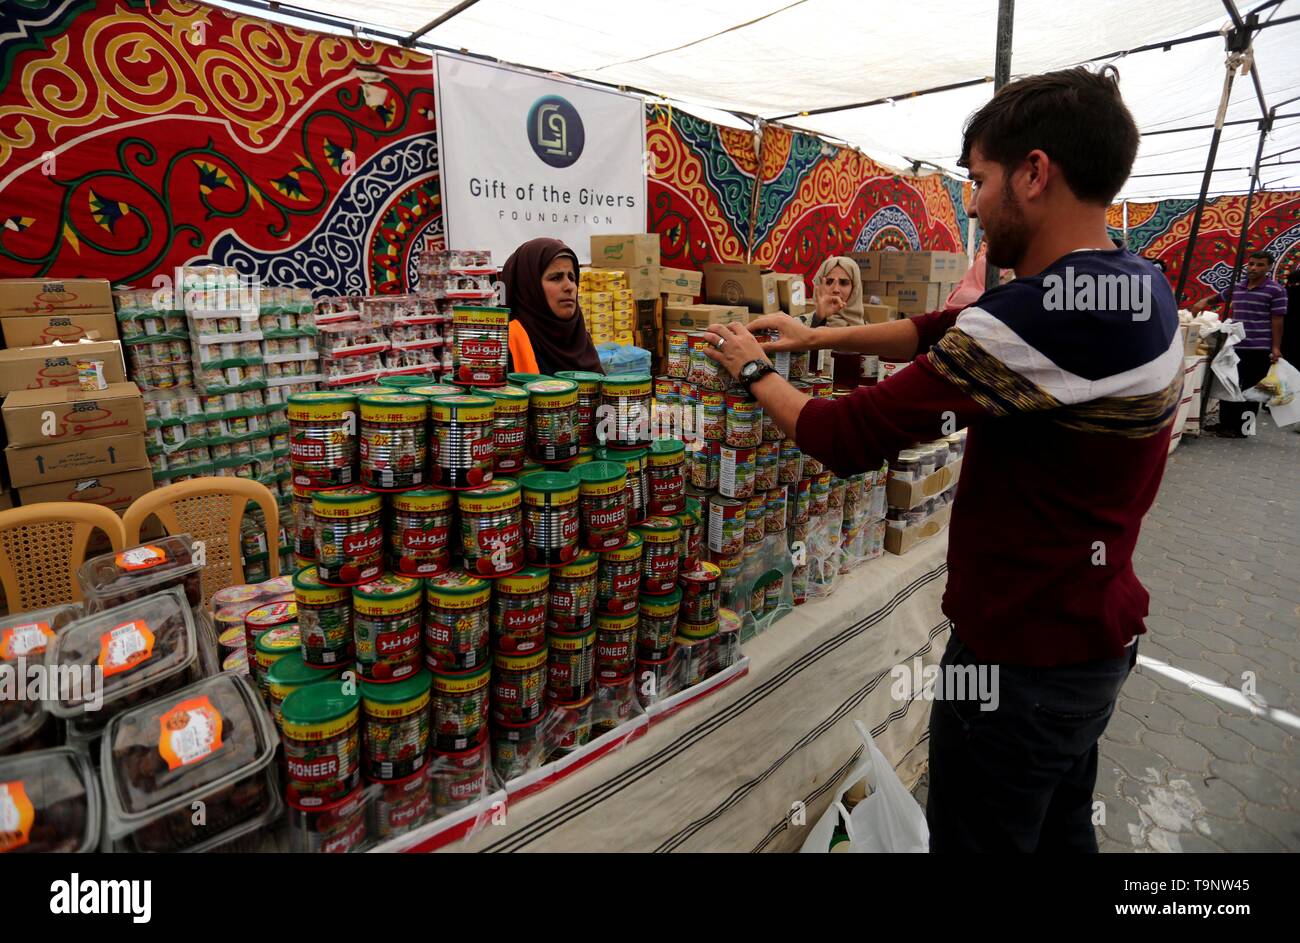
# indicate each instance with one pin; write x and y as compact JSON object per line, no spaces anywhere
{"x":1238,"y":836}
{"x":1261,"y":732}
{"x":1257,"y":784}
{"x":1140,"y":762}
{"x":1197,"y":708}
{"x":1180,"y":751}
{"x":1283,"y":826}
{"x":1215,"y":794}
{"x":1125,"y":825}
{"x":1139,"y":686}
{"x":1156,"y":716}
{"x":1285,"y":764}
{"x":1193,"y":843}
{"x":1124,"y":725}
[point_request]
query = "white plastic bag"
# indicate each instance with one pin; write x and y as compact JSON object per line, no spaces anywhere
{"x":1226,"y":386}
{"x":1284,"y":407}
{"x":887,"y":820}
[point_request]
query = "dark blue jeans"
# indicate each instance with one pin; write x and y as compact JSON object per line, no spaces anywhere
{"x":1020,"y":778}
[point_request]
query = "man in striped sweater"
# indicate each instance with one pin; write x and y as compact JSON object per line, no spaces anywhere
{"x":1068,"y":379}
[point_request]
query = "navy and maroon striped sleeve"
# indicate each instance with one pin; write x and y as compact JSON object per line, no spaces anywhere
{"x":930,"y":327}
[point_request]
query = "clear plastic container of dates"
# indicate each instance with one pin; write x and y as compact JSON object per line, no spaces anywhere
{"x":209,"y":747}
{"x":49,"y":801}
{"x":146,"y":648}
{"x":116,"y":578}
{"x":24,"y":636}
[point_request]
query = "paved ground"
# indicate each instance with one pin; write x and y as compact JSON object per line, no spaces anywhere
{"x":1182,"y":770}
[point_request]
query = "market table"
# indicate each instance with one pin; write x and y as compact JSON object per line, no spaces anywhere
{"x":725,"y":772}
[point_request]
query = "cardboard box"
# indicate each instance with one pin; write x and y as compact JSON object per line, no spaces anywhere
{"x":680,"y":281}
{"x":750,"y":285}
{"x":699,"y":317}
{"x":879,"y":289}
{"x":38,"y":368}
{"x":112,"y":491}
{"x":68,"y":412}
{"x":932,"y":266}
{"x":892,"y":266}
{"x":634,"y":250}
{"x":916,"y":297}
{"x":8,"y":499}
{"x":63,"y":461}
{"x":879,"y":314}
{"x":791,"y":293}
{"x":901,"y":541}
{"x":678,"y":301}
{"x":868,"y":264}
{"x":644,"y":282}
{"x":908,"y":494}
{"x":38,"y":329}
{"x":44,"y":296}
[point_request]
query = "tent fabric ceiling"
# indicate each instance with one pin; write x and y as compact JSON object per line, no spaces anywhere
{"x":780,"y":57}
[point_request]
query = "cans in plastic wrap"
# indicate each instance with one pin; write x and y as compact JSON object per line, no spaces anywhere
{"x":323,"y":438}
{"x":692,"y":521}
{"x":395,"y":727}
{"x":618,"y":585}
{"x":457,"y":622}
{"x":419,"y":532}
{"x":510,"y":427}
{"x":614,"y":704}
{"x":387,"y":626}
{"x":756,"y":519}
{"x":519,"y":686}
{"x":625,"y":409}
{"x":552,"y":420}
{"x":404,"y":804}
{"x":661,"y":558}
{"x":320,"y":729}
{"x":575,"y":723}
{"x":666,"y":476}
{"x":492,"y":528}
{"x":349,"y":535}
{"x":588,"y":402}
{"x":726,"y":525}
{"x":394,"y":447}
{"x":774,"y":520}
{"x":517,"y":748}
{"x":570,"y":665}
{"x":791,"y":467}
{"x":338,"y":828}
{"x":459,"y":778}
{"x":696,"y":656}
{"x":658,"y":624}
{"x":266,"y":617}
{"x":480,"y":345}
{"x":460,"y":708}
{"x":551,"y":520}
{"x":602,"y":504}
{"x":519,"y":611}
{"x":701,"y":594}
{"x":324,"y":620}
{"x":737,"y":474}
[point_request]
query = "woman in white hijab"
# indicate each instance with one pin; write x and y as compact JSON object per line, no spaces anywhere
{"x":837,"y":293}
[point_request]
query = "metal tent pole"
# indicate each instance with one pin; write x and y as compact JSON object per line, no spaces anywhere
{"x":1250,"y":198}
{"x":1001,"y":76}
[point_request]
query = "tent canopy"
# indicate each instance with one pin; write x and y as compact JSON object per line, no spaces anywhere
{"x":779,"y":59}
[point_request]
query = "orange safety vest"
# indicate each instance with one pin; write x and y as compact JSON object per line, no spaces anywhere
{"x":522,"y":358}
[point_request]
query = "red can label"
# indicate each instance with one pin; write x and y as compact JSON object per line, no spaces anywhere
{"x":312,"y":450}
{"x":569,"y":528}
{"x":398,"y":642}
{"x":325,"y":768}
{"x":364,"y":544}
{"x":525,"y":620}
{"x":480,"y":349}
{"x":433,"y":538}
{"x":483,"y":450}
{"x":626,"y":583}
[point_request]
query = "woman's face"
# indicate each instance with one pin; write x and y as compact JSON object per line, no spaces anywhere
{"x":838,"y":283}
{"x":560,"y":283}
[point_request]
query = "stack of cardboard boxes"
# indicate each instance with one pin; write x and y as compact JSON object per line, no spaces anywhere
{"x":606,"y":303}
{"x":637,"y":305}
{"x":908,"y":282}
{"x":65,"y":442}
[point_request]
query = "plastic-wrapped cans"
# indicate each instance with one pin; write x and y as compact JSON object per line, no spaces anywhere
{"x":618,"y":586}
{"x":736,"y":477}
{"x":654,"y":678}
{"x":744,"y":422}
{"x":457,"y":622}
{"x":666,"y":476}
{"x":791,"y":468}
{"x":492,"y":528}
{"x":510,"y":427}
{"x":774,"y":520}
{"x":615,"y":702}
{"x":588,"y":401}
{"x":322,"y":745}
{"x":661,"y":557}
{"x":726,"y":525}
{"x":625,"y":409}
{"x":821,"y":493}
{"x":460,"y":707}
{"x":679,"y":354}
{"x":264,"y":618}
{"x":602,"y":504}
{"x":464,"y":447}
{"x":704,"y":462}
{"x":575,"y":725}
{"x":658,"y":624}
{"x":394,"y":447}
{"x":419,"y":532}
{"x":634,"y":461}
{"x":323,"y":438}
{"x":692,"y":521}
{"x":701,"y":593}
{"x":334,"y":829}
{"x":403,"y":804}
{"x":767,"y":466}
{"x":304,"y":523}
{"x":616,"y":638}
{"x":552,"y":420}
{"x":271,"y":646}
{"x":480,"y":345}
{"x":519,"y":611}
{"x":459,"y":777}
{"x":696,"y":656}
{"x":570,"y":665}
{"x":517,"y":748}
{"x":756,"y":519}
{"x":386,"y":624}
{"x":324,"y":620}
{"x":395,"y":727}
{"x":349,"y":535}
{"x":572,"y":598}
{"x":519,"y":686}
{"x":726,"y":643}
{"x":551,"y":519}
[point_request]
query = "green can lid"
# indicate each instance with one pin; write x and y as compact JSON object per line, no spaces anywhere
{"x":432,"y":390}
{"x":344,"y":495}
{"x":626,"y":379}
{"x":279,"y":640}
{"x":319,"y":703}
{"x":523,"y":379}
{"x":659,"y":523}
{"x":321,"y":396}
{"x":550,"y":386}
{"x":666,"y":598}
{"x":408,"y":689}
{"x":309,"y":578}
{"x":388,"y":586}
{"x":549,"y":481}
{"x":455,"y":583}
{"x":463,"y":401}
{"x":584,"y":556}
{"x":599,"y":471}
{"x":478,"y":308}
{"x":404,"y":382}
{"x":667,"y":446}
{"x":580,"y":376}
{"x":291,"y":669}
{"x":507,"y":392}
{"x":695,"y":508}
{"x":389,"y":399}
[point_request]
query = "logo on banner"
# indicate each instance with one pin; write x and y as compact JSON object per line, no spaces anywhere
{"x":555,"y":131}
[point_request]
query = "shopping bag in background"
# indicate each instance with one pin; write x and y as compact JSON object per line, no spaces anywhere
{"x":1226,"y":386}
{"x":887,"y":820}
{"x":1283,"y":385}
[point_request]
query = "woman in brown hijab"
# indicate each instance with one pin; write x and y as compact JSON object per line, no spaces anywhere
{"x":547,"y":331}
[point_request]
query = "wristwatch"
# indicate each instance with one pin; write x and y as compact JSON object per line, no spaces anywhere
{"x":753,"y":371}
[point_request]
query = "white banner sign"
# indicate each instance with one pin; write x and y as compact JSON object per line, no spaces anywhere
{"x":524,"y":156}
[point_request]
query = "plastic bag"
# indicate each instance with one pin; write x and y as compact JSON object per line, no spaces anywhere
{"x":887,"y":820}
{"x":1226,"y":386}
{"x":1283,"y":384}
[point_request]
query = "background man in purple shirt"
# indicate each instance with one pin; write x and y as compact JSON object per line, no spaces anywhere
{"x":1258,"y":303}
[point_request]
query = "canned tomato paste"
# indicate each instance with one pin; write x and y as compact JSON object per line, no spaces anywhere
{"x":588,"y":402}
{"x":571,"y":665}
{"x":324,"y":620}
{"x":618,"y":586}
{"x":404,"y":804}
{"x":574,"y":725}
{"x":692,"y":534}
{"x":492,"y":528}
{"x":550,"y":517}
{"x":349,"y":536}
{"x":518,"y":686}
{"x":456,"y":623}
{"x":615,"y":645}
{"x":662,"y":555}
{"x":289,"y":674}
{"x":460,"y":707}
{"x":464,"y":441}
{"x":419,"y":533}
{"x":625,"y":409}
{"x":322,"y":746}
{"x":519,"y":611}
{"x":509,"y":427}
{"x":387,"y":628}
{"x":615,"y":702}
{"x":638,"y":488}
{"x":459,"y":777}
{"x":479,"y":345}
{"x":322,"y":438}
{"x":654,"y":678}
{"x":395,"y":726}
{"x":334,"y":829}
{"x":701,"y":593}
{"x":552,"y":420}
{"x":273,"y":645}
{"x":602,"y":504}
{"x":263,"y":618}
{"x":304,"y":523}
{"x":658,"y":624}
{"x":572,"y":598}
{"x":394,"y":447}
{"x":518,"y":748}
{"x":666,"y":476}
{"x":696,"y":655}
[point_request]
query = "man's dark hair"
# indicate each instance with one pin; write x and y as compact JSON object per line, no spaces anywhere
{"x":1262,"y":254}
{"x":1075,"y":116}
